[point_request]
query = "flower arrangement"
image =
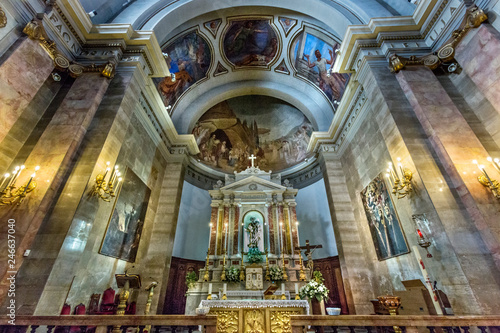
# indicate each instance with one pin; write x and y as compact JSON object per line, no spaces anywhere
{"x":315,"y":289}
{"x":254,"y":255}
{"x":191,"y":279}
{"x":276,"y":273}
{"x":233,"y":274}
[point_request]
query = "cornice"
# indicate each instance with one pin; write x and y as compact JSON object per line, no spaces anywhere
{"x":73,"y":17}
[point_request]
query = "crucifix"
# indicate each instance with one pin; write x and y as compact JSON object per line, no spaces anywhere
{"x":308,"y":247}
{"x":253,"y":158}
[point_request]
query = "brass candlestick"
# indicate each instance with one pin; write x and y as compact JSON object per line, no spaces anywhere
{"x":223,"y":274}
{"x":392,"y":304}
{"x":285,"y":276}
{"x":206,"y":276}
{"x":242,"y":269}
{"x":151,"y":289}
{"x":302,"y":274}
{"x":268,"y":276}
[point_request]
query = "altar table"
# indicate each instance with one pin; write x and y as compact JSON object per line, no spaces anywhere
{"x":255,"y":315}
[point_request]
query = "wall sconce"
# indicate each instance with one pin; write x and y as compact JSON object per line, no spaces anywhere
{"x":9,"y":193}
{"x":420,"y":221}
{"x":485,"y":179}
{"x":103,"y":189}
{"x":402,"y":184}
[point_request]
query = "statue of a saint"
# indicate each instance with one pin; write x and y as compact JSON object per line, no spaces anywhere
{"x":253,"y":229}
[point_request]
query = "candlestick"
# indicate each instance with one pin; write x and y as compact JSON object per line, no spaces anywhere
{"x":297,"y":295}
{"x":283,"y":296}
{"x":428,"y":283}
{"x":29,"y":182}
{"x":394,"y":174}
{"x":7,"y":175}
{"x":481,"y":167}
{"x":224,"y":291}
{"x":15,"y":173}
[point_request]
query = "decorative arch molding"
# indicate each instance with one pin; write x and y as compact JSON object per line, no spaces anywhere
{"x":301,"y":95}
{"x":157,"y":15}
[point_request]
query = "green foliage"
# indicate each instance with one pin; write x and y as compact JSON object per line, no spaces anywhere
{"x":233,"y":274}
{"x":318,"y":277}
{"x":276,"y":273}
{"x":254,"y":255}
{"x":191,"y":279}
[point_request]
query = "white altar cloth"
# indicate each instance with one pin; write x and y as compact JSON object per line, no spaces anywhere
{"x":237,"y":304}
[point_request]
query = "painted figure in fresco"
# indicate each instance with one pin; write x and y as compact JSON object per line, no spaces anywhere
{"x":261,"y":59}
{"x":173,"y":89}
{"x":242,"y":38}
{"x":334,"y":82}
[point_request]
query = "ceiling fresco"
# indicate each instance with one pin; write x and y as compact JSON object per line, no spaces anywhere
{"x":251,"y":43}
{"x":274,"y":131}
{"x":313,"y":58}
{"x":189,"y":59}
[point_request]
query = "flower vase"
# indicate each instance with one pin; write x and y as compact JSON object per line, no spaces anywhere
{"x":317,"y":307}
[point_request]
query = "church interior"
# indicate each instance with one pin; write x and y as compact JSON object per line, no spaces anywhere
{"x":250,"y":166}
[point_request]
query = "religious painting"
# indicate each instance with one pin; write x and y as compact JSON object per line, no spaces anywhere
{"x":251,"y":43}
{"x":272,"y":130}
{"x":314,"y":59}
{"x":127,"y":219}
{"x":253,"y":224}
{"x":287,"y":24}
{"x":188,"y":59}
{"x":213,"y":26}
{"x":387,"y":233}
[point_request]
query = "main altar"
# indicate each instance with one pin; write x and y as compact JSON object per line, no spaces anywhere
{"x":253,"y":244}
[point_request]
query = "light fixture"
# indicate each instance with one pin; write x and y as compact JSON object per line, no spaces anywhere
{"x":402,"y":182}
{"x":9,"y":193}
{"x":107,"y":189}
{"x":92,"y":13}
{"x":420,"y":221}
{"x":485,"y":179}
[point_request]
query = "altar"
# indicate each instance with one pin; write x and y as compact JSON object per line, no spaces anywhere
{"x":255,"y":316}
{"x":253,"y":244}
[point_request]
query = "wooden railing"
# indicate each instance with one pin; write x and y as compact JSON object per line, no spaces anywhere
{"x":104,"y":324}
{"x":406,"y":324}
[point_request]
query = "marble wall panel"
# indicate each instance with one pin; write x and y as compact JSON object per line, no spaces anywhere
{"x":22,"y":75}
{"x":393,"y":128}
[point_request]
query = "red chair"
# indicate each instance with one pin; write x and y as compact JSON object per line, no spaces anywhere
{"x":130,"y":310}
{"x":108,"y":302}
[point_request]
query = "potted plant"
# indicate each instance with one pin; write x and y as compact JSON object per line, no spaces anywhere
{"x":233,"y":274}
{"x":191,"y":279}
{"x":316,"y":292}
{"x":276,"y":273}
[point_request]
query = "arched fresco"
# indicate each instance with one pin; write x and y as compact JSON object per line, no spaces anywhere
{"x":189,"y":59}
{"x":251,"y":42}
{"x":313,"y":59}
{"x":271,"y":129}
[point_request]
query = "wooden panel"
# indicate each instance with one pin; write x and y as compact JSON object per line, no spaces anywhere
{"x":175,"y":298}
{"x":330,"y":268}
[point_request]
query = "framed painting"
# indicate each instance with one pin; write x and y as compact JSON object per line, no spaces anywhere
{"x":385,"y":227}
{"x":127,"y":219}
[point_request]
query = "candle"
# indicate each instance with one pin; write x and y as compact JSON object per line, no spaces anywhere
{"x":427,"y":279}
{"x":210,"y":289}
{"x":29,"y":182}
{"x":481,"y":167}
{"x":15,"y":175}
{"x":7,"y":175}
{"x":296,"y":288}
{"x":224,"y":289}
{"x":225,"y":245}
{"x":282,"y":288}
{"x":494,"y":163}
{"x":394,"y":174}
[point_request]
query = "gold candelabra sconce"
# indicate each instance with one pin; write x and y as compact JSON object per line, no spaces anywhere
{"x":10,"y":194}
{"x":486,"y":180}
{"x":401,"y":178}
{"x":106,"y":189}
{"x":423,"y":241}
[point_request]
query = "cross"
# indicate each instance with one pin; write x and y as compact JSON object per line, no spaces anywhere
{"x":253,"y":158}
{"x":308,"y":248}
{"x":308,"y":253}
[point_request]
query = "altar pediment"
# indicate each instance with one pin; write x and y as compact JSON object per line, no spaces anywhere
{"x":253,"y":184}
